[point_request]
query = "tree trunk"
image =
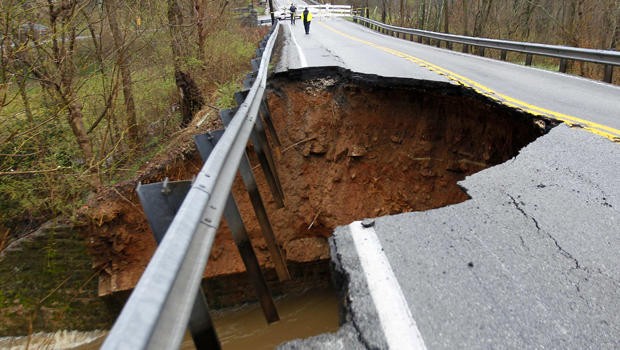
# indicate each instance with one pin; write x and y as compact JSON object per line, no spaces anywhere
{"x":422,"y":14}
{"x":482,"y":17}
{"x":123,"y":65}
{"x":383,"y":10}
{"x":446,"y":27}
{"x":200,"y":9}
{"x":465,"y":18}
{"x":191,"y":97}
{"x":615,"y":35}
{"x":76,"y":121}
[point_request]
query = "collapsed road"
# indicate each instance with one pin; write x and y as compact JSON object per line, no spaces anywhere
{"x":529,"y":260}
{"x":521,"y":253}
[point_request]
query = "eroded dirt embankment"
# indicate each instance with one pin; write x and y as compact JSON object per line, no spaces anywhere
{"x":353,"y":146}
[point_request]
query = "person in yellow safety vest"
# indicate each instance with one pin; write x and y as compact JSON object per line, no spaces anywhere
{"x":307,"y":17}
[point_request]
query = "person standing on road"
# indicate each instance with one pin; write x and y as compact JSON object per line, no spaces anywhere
{"x":293,"y":9}
{"x":307,"y":17}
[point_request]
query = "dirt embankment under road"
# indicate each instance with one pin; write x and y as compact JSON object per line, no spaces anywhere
{"x":353,"y":146}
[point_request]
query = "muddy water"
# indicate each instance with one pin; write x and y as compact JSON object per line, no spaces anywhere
{"x":243,"y":327}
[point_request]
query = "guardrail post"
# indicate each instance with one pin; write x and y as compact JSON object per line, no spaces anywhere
{"x":503,"y":54}
{"x":272,"y":180}
{"x":563,"y":65}
{"x":528,"y":59}
{"x":465,"y":48}
{"x":266,"y":114}
{"x":206,"y":143}
{"x":261,"y":146}
{"x":480,"y":50}
{"x":245,"y":169}
{"x":160,"y":202}
{"x":449,"y":45}
{"x":609,"y":71}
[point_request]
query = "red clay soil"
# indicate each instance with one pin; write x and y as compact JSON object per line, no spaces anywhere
{"x":353,"y":146}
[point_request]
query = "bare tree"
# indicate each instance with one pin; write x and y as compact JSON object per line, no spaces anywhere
{"x":58,"y":72}
{"x":120,"y":47}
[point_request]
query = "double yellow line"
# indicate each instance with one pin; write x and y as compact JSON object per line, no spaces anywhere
{"x":599,"y":129}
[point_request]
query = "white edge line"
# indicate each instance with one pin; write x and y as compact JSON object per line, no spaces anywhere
{"x":399,"y":327}
{"x":302,"y":57}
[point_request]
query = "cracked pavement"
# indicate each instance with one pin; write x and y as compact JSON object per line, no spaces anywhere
{"x":530,"y":261}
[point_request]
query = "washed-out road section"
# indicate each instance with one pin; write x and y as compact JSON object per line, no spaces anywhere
{"x":530,"y":261}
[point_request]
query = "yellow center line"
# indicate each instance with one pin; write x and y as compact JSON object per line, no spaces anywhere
{"x":599,"y":129}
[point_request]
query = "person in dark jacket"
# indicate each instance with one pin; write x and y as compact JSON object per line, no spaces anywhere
{"x":292,"y":9}
{"x":306,"y":17}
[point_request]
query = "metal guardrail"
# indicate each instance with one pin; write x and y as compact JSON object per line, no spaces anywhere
{"x":156,"y":314}
{"x":607,"y":57}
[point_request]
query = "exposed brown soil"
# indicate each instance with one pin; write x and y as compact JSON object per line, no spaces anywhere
{"x":353,"y":146}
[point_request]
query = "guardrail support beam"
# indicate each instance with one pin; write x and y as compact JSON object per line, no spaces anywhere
{"x":528,"y":59}
{"x":266,"y":114}
{"x":563,"y":65}
{"x":503,"y":54}
{"x":160,"y":202}
{"x":205,"y":144}
{"x":245,"y":169}
{"x":609,"y":71}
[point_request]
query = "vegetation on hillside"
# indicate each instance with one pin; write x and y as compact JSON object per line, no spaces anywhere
{"x":90,"y":90}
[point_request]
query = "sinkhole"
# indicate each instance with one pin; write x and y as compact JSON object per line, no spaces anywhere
{"x":355,"y":146}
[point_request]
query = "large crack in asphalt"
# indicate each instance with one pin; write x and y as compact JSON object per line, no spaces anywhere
{"x":562,"y":251}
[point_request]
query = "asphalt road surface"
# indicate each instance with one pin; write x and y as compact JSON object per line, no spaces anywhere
{"x":532,"y":260}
